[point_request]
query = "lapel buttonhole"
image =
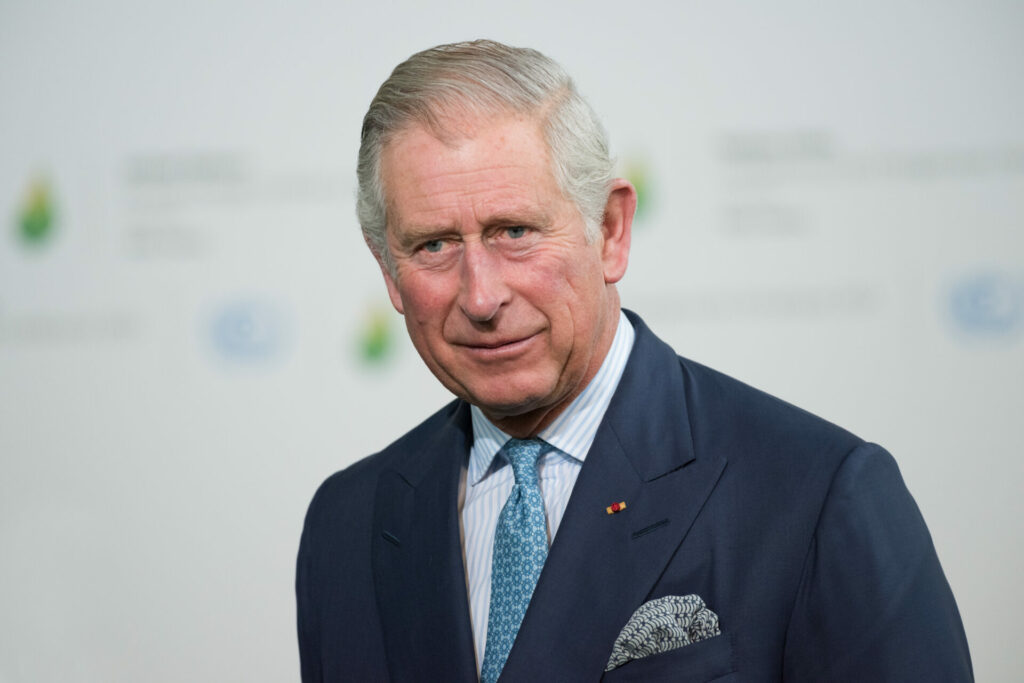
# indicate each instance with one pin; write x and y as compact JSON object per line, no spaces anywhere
{"x":648,"y":529}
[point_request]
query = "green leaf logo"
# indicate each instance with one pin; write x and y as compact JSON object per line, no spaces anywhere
{"x":36,"y":218}
{"x":636,"y":171}
{"x":376,"y":337}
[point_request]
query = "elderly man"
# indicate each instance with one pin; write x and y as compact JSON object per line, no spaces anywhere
{"x":591,"y":505}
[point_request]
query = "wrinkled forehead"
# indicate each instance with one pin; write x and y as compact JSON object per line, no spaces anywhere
{"x":480,"y":158}
{"x":452,"y":129}
{"x":454,"y":122}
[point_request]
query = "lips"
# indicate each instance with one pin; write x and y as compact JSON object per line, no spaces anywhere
{"x":500,"y":348}
{"x":497,"y":344}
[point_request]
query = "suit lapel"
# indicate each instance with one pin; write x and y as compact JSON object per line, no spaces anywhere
{"x":602,"y":567}
{"x":417,"y":560}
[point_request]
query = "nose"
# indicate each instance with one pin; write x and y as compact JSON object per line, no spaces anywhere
{"x":483,"y":290}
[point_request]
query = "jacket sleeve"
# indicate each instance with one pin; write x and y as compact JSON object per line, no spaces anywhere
{"x":873,"y":602}
{"x":338,"y":628}
{"x":306,"y":606}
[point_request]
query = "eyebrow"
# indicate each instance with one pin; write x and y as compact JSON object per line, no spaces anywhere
{"x":517,"y":217}
{"x":411,"y":233}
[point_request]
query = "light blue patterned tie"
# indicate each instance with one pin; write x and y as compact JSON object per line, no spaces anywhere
{"x":520,"y":548}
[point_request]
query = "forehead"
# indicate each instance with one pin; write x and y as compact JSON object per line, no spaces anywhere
{"x":483,"y":166}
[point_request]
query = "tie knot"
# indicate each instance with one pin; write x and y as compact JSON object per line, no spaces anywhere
{"x":522,"y":454}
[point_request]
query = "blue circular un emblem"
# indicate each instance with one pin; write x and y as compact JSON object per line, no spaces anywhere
{"x":990,"y":304}
{"x":248,"y":330}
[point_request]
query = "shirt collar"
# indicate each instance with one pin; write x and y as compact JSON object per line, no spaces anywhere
{"x":572,"y":432}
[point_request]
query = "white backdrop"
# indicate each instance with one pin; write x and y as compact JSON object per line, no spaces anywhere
{"x":192,"y":334}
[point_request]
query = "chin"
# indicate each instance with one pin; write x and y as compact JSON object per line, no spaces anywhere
{"x":502,"y":402}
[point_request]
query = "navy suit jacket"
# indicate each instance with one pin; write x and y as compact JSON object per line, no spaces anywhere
{"x":800,"y":536}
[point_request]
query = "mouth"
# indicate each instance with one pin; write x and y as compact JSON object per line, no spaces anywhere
{"x":502,"y":349}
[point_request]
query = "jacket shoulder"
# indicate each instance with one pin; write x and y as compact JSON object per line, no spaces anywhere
{"x":334,"y":579}
{"x":734,"y":411}
{"x":360,"y":478}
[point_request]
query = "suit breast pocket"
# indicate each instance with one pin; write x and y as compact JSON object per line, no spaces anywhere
{"x":707,"y":660}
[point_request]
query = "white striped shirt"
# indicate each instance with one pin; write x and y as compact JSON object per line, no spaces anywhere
{"x":487,"y":483}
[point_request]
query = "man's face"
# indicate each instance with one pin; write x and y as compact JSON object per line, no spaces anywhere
{"x":503,"y":297}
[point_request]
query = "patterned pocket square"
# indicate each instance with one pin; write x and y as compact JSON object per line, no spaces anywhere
{"x":662,"y":625}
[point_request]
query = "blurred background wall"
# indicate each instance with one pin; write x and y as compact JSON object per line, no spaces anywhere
{"x":193,"y":335}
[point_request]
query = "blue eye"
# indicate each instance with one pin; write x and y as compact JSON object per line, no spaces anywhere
{"x":433,"y":246}
{"x":515,"y":232}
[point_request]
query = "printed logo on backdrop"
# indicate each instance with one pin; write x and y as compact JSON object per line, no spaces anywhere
{"x":988,"y":304}
{"x":375,"y":342}
{"x":638,"y":171}
{"x":36,"y":217}
{"x":249,"y":331}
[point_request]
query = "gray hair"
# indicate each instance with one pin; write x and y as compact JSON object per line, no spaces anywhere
{"x":484,"y":77}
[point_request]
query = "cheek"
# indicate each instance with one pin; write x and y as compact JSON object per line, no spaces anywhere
{"x":424,"y":297}
{"x":570,"y":285}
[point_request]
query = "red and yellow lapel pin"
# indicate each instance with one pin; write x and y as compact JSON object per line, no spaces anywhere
{"x":615,"y":507}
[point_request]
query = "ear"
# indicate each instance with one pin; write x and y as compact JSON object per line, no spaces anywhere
{"x":617,"y":229}
{"x":389,"y":281}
